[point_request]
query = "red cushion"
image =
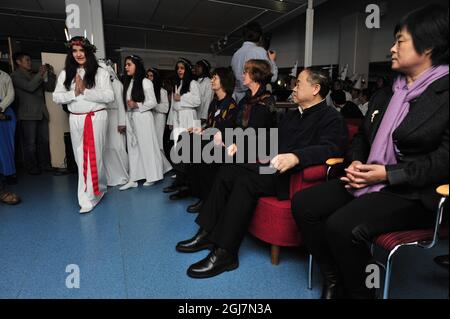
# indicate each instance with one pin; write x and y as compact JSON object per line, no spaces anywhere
{"x":273,"y":221}
{"x":274,"y":224}
{"x":389,"y":241}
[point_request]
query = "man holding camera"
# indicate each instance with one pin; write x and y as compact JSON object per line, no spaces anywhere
{"x":32,"y":111}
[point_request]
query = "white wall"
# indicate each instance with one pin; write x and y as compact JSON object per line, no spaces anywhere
{"x":165,"y":60}
{"x":288,"y":39}
{"x":59,"y":120}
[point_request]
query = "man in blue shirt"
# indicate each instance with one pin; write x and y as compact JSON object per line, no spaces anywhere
{"x":250,"y":50}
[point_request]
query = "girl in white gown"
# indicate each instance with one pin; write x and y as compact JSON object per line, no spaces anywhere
{"x":86,"y":89}
{"x":143,"y":149}
{"x":115,"y":157}
{"x":203,"y":73}
{"x":160,"y":112}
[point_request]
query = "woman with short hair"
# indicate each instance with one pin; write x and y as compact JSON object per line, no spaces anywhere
{"x":398,"y":158}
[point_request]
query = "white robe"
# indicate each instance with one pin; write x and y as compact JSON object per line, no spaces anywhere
{"x":160,"y":116}
{"x":116,"y":157}
{"x":94,"y":99}
{"x":183,"y":113}
{"x":206,"y":96}
{"x":144,"y":154}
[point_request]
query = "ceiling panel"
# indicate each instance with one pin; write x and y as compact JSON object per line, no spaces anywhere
{"x":137,"y":10}
{"x":110,"y":9}
{"x":219,"y":17}
{"x":54,"y":6}
{"x":173,"y":12}
{"x":186,"y":25}
{"x":31,"y":5}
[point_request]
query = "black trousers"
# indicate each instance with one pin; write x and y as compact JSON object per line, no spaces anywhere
{"x":227,"y":212}
{"x":338,"y":228}
{"x":36,"y":144}
{"x":202,"y":177}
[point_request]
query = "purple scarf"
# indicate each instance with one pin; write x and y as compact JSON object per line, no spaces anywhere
{"x":383,"y":149}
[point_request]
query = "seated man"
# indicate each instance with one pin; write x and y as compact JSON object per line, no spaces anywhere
{"x":307,"y":136}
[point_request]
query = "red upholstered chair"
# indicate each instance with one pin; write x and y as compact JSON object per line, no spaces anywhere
{"x":391,"y":242}
{"x":273,"y":222}
{"x":423,"y":238}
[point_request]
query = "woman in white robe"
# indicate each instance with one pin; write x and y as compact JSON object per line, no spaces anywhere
{"x":86,"y":89}
{"x":144,"y":155}
{"x":203,"y":70}
{"x":115,"y":157}
{"x":185,"y":101}
{"x":160,"y":112}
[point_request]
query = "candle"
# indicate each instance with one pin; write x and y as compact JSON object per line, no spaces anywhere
{"x":67,"y":35}
{"x":85,"y":33}
{"x":92,"y":38}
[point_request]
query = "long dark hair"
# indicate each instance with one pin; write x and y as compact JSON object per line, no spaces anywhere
{"x":187,"y":79}
{"x":137,"y":93}
{"x":206,"y":69}
{"x":157,"y":83}
{"x":72,"y":65}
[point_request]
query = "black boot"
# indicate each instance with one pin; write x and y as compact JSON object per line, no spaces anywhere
{"x":195,"y":208}
{"x":196,"y":243}
{"x":442,"y":261}
{"x":331,"y":286}
{"x":218,"y":261}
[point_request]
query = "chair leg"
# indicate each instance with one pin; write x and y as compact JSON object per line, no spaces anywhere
{"x":310,"y":271}
{"x":275,"y":254}
{"x":387,"y":279}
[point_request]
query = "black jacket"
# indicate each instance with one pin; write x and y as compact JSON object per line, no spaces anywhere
{"x":422,"y":140}
{"x":313,"y":136}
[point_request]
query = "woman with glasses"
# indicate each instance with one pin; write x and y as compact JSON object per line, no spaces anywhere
{"x":398,"y":158}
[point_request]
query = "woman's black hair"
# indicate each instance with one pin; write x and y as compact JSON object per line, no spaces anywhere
{"x":187,"y":79}
{"x":71,"y":65}
{"x":157,"y":83}
{"x":137,"y":93}
{"x":206,"y":69}
{"x":227,"y":79}
{"x":428,"y":27}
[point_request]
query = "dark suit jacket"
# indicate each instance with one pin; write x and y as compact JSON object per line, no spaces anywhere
{"x":422,"y":140}
{"x":30,"y":94}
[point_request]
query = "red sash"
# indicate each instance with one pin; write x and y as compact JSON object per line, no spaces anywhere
{"x":89,"y":151}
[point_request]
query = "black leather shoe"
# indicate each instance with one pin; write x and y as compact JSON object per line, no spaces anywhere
{"x":196,"y":243}
{"x":195,"y":208}
{"x":331,"y":288}
{"x":442,"y":261}
{"x":182,"y":193}
{"x":217,"y":261}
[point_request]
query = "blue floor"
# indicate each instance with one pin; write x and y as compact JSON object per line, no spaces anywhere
{"x":125,"y":248}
